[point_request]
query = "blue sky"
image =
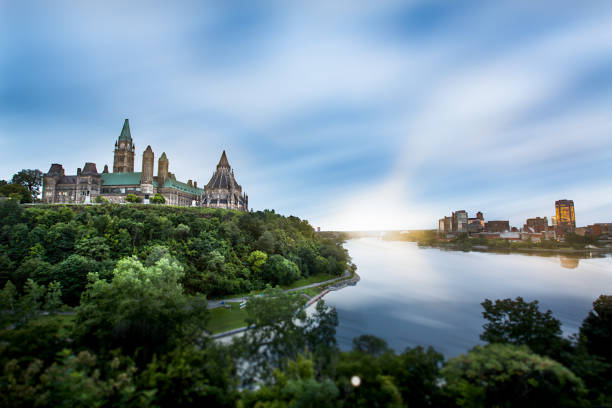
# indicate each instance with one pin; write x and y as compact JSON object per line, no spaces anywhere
{"x":354,"y":115}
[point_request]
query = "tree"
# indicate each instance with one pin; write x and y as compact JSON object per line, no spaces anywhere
{"x":158,"y":199}
{"x":504,"y":375}
{"x":521,"y":323}
{"x":294,"y":387}
{"x":417,"y":374}
{"x":256,"y":260}
{"x":101,"y":200}
{"x":266,"y":242}
{"x":31,"y":180}
{"x":279,"y":270}
{"x":142,"y":309}
{"x":71,"y":273}
{"x":277,"y":325}
{"x":16,"y":192}
{"x":596,"y":329}
{"x":371,"y":345}
{"x":72,"y":381}
{"x":192,"y":376}
{"x":363,"y":383}
{"x":133,"y":198}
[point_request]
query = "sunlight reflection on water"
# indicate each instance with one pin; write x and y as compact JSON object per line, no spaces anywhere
{"x":423,"y":296}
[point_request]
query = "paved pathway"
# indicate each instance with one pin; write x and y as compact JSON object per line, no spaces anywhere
{"x":217,"y":303}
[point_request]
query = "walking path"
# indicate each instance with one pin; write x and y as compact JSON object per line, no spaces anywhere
{"x":217,"y":303}
{"x":348,"y":282}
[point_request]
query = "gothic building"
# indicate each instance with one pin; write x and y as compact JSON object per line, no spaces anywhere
{"x":221,"y":192}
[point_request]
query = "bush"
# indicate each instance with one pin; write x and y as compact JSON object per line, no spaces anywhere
{"x":133,"y":198}
{"x":158,"y":199}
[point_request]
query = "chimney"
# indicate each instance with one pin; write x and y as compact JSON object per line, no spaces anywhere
{"x":190,"y":183}
{"x":79,"y":171}
{"x":195,"y":184}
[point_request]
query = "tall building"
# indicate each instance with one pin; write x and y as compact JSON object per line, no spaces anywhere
{"x":123,"y":161}
{"x":223,"y":190}
{"x":460,"y":221}
{"x":564,"y":212}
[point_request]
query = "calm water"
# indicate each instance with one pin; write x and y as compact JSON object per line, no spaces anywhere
{"x":412,"y":296}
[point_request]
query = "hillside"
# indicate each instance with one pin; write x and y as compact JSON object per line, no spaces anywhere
{"x":222,"y":252}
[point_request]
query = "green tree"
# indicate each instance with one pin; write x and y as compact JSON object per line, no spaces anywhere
{"x":191,"y":376}
{"x":133,"y":198}
{"x":371,"y":345}
{"x":158,"y":199}
{"x":93,"y":247}
{"x":504,"y":375}
{"x":266,"y":242}
{"x":101,"y":200}
{"x":294,"y":387}
{"x":276,"y":334}
{"x":71,"y":381}
{"x":256,"y":260}
{"x":521,"y":323}
{"x":279,"y":270}
{"x":142,"y":309}
{"x":16,"y":192}
{"x":596,"y":329}
{"x":71,"y":273}
{"x":31,"y":180}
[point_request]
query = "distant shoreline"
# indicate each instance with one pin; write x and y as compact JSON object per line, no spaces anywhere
{"x":485,"y":248}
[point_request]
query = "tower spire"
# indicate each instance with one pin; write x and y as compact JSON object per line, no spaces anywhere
{"x":125,"y":132}
{"x":223,"y":161}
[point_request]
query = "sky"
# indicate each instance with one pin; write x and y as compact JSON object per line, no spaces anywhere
{"x":355,"y":115}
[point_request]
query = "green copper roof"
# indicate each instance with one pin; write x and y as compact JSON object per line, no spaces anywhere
{"x":133,"y":179}
{"x":183,"y":187}
{"x":121,"y":179}
{"x":125,"y":132}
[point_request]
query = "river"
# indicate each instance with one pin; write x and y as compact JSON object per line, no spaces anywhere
{"x":426,"y":296}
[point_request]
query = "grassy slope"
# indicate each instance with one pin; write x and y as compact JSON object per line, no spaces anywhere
{"x":222,"y":319}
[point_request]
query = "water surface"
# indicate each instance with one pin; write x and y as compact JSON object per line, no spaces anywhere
{"x":426,"y":296}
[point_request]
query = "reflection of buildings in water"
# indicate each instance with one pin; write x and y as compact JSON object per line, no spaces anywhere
{"x":569,"y":263}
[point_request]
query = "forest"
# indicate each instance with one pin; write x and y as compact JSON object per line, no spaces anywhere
{"x":105,"y":306}
{"x":222,"y":252}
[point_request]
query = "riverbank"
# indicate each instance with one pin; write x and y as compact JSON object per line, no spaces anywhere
{"x":518,"y":250}
{"x":233,"y":319}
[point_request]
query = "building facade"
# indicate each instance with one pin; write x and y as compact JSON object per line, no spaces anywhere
{"x":88,"y":184}
{"x":460,"y":221}
{"x":537,"y":224}
{"x":497,"y":226}
{"x":223,"y":191}
{"x":565,"y":215}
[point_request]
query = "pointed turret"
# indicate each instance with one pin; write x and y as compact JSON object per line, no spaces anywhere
{"x":223,"y":161}
{"x":125,"y":132}
{"x":162,"y":170}
{"x":148,"y":161}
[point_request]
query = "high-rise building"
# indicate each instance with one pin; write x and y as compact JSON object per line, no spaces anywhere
{"x":460,"y":221}
{"x":564,"y":212}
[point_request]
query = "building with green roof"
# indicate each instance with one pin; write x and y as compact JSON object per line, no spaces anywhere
{"x":222,"y":191}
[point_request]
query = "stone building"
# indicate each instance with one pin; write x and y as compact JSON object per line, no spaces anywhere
{"x":79,"y":188}
{"x":222,"y":191}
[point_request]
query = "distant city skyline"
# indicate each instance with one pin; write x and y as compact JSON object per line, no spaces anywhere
{"x":365,"y":115}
